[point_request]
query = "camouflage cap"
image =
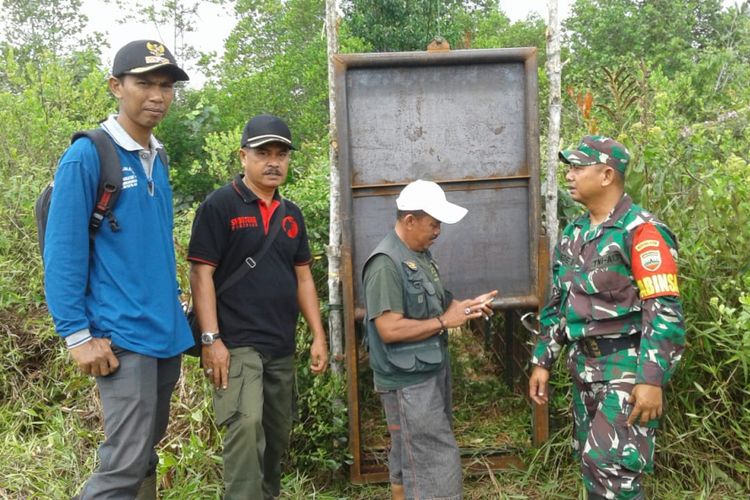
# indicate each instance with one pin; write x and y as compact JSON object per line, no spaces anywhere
{"x":595,"y":149}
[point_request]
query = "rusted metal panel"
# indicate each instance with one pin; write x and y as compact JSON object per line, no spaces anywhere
{"x":448,"y":122}
{"x":488,"y":249}
{"x":466,"y":119}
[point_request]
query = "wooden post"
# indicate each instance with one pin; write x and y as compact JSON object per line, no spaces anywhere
{"x":335,"y":303}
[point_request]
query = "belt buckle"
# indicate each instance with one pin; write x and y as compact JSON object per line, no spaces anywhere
{"x":591,"y":348}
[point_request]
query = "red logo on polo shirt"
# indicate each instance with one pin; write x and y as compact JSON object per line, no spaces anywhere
{"x":243,"y":222}
{"x":290,"y":227}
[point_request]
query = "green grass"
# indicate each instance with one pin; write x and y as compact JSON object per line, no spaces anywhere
{"x":50,"y":421}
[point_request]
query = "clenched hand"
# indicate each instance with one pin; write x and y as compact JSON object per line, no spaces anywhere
{"x":95,"y":358}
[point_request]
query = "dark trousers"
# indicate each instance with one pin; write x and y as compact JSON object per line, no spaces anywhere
{"x":135,"y":401}
{"x":256,"y":409}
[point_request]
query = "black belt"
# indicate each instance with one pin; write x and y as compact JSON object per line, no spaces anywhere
{"x":594,"y":347}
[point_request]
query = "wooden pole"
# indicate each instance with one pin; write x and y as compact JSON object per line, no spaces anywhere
{"x":335,"y":304}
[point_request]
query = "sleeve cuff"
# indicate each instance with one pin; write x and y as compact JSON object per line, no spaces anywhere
{"x":78,"y":338}
{"x":651,"y":374}
{"x":542,"y":356}
{"x":545,"y":363}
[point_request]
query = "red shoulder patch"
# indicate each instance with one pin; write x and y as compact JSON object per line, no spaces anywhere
{"x":654,"y":268}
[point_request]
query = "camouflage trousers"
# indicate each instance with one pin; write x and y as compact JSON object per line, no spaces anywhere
{"x":613,"y":456}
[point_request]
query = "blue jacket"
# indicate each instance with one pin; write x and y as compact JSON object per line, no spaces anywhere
{"x":124,"y":286}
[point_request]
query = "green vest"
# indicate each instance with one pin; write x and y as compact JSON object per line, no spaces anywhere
{"x":422,"y":299}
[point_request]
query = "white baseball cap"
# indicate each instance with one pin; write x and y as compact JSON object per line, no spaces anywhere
{"x":430,"y":198}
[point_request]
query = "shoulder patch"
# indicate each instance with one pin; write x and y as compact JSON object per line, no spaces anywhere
{"x":646,"y":244}
{"x":411,"y":264}
{"x":654,"y":267}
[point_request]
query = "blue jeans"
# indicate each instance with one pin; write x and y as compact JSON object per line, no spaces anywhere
{"x":424,"y":455}
{"x":135,"y":403}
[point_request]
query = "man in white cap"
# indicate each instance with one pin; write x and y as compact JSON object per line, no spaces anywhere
{"x":408,"y":317}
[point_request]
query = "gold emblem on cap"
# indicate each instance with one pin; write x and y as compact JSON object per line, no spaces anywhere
{"x":156,"y":49}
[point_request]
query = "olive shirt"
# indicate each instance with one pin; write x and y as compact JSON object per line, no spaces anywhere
{"x":384,"y":292}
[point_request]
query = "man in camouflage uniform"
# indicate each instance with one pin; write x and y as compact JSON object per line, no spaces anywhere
{"x":615,"y":303}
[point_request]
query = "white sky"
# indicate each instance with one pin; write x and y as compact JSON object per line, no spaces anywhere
{"x":216,"y":23}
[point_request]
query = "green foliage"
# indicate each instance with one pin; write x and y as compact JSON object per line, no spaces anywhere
{"x":668,"y":78}
{"x":494,"y":30}
{"x":33,"y":27}
{"x":310,"y":192}
{"x":394,"y":25}
{"x":696,"y":43}
{"x":624,"y":90}
{"x":40,"y":107}
{"x":320,"y":434}
{"x":275,"y":62}
{"x":184,"y":131}
{"x":669,"y":33}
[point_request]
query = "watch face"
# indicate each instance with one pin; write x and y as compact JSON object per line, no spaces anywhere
{"x":207,"y":338}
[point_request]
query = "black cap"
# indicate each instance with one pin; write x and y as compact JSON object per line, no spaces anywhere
{"x":263,"y":129}
{"x":144,"y":56}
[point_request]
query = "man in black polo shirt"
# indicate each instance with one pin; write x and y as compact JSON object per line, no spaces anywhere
{"x":248,"y":331}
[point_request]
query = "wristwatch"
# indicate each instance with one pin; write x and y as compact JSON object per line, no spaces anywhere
{"x":208,"y":338}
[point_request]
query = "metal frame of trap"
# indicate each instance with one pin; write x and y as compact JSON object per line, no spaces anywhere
{"x":365,"y":467}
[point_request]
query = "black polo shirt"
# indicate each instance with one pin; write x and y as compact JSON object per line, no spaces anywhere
{"x":261,"y":309}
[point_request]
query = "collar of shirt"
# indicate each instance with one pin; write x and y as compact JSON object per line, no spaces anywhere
{"x":246,"y":193}
{"x":613,"y":219}
{"x":123,"y":139}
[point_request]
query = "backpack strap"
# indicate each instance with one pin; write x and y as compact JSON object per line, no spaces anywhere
{"x":110,"y":179}
{"x":164,"y":157}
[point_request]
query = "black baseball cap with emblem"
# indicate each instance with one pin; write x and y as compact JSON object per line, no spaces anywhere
{"x":263,"y":129}
{"x":144,"y":56}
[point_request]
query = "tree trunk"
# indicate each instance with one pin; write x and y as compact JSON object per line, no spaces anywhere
{"x":335,"y":307}
{"x":554,"y":70}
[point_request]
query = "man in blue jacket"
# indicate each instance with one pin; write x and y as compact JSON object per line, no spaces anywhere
{"x":115,"y":299}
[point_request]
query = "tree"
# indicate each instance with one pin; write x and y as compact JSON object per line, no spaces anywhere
{"x":335,"y":316}
{"x":395,"y":25}
{"x":665,"y":33}
{"x":554,"y":70}
{"x":494,"y":30}
{"x":275,"y":62}
{"x":34,"y":26}
{"x":179,"y":16}
{"x":616,"y":46}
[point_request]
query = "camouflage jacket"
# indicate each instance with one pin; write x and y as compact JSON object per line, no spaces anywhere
{"x":615,"y":279}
